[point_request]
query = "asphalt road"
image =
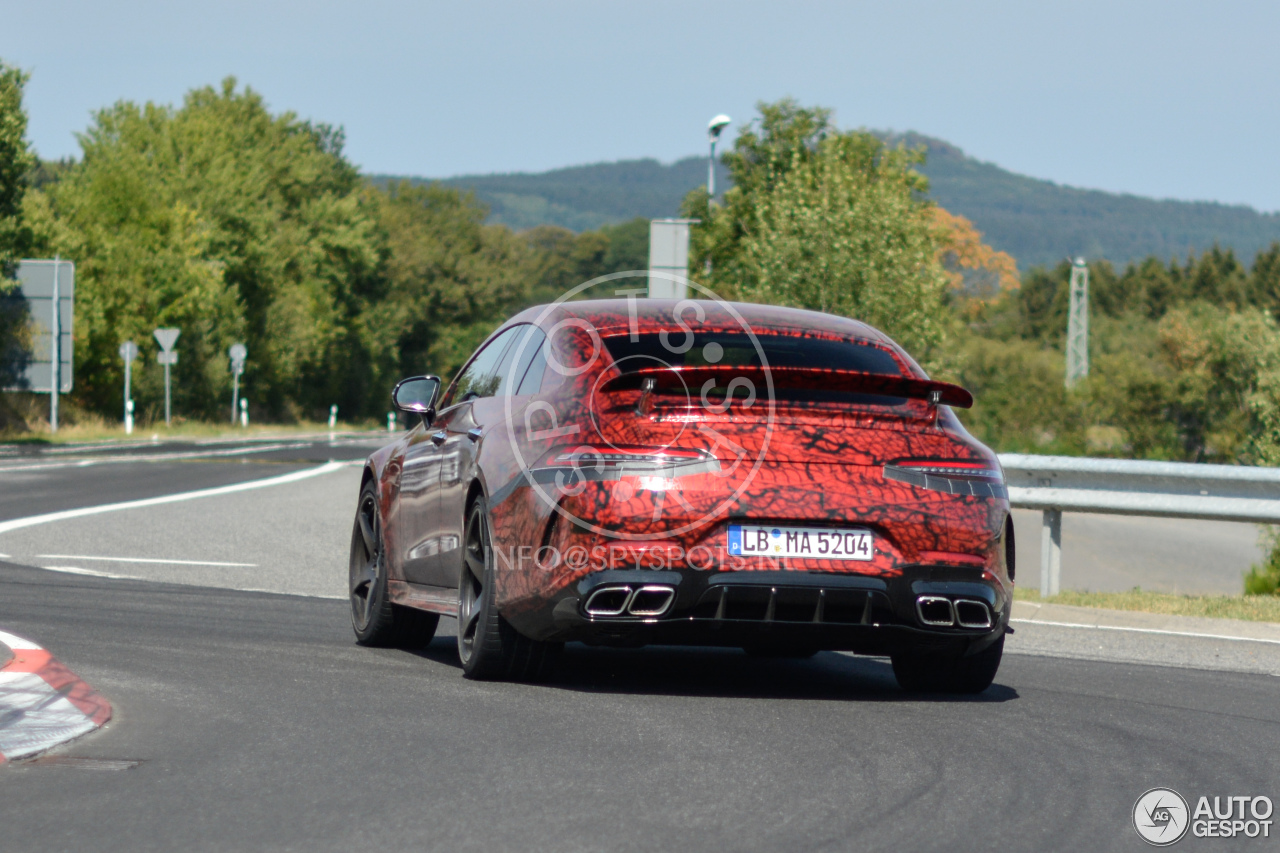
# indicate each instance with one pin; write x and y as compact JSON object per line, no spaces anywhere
{"x":261,"y":726}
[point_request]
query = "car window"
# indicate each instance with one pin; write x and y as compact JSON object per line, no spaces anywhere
{"x":480,"y":378}
{"x":736,"y":349}
{"x":533,"y":359}
{"x":509,"y":372}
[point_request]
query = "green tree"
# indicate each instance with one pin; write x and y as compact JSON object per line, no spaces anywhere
{"x":16,"y":162}
{"x":829,"y":220}
{"x":451,"y":279}
{"x":232,"y":224}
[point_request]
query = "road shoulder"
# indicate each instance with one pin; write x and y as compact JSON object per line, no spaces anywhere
{"x":1126,"y":636}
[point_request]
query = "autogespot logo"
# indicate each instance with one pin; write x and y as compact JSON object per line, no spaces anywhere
{"x":1160,"y":816}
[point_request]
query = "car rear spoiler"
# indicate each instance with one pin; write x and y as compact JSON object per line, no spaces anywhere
{"x":692,"y":379}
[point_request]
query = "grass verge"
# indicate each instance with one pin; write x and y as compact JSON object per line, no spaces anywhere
{"x":1253,"y":608}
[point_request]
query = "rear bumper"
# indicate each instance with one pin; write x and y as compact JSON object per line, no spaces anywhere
{"x":863,"y":614}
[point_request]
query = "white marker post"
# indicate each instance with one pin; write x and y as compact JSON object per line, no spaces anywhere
{"x":128,"y":351}
{"x":391,"y":421}
{"x":244,"y":413}
{"x":167,"y":338}
{"x":238,"y":354}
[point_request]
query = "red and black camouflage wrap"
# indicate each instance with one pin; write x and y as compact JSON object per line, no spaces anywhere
{"x":775,"y":462}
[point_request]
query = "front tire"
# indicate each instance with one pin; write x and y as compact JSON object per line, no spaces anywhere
{"x":925,"y":673}
{"x":488,"y":647}
{"x":375,"y":620}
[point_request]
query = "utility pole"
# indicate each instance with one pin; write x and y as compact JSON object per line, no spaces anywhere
{"x":1078,"y":324}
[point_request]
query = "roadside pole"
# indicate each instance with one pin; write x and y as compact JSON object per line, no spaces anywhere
{"x":128,"y":351}
{"x":55,"y":328}
{"x":244,"y":412}
{"x":238,"y":354}
{"x":167,"y":338}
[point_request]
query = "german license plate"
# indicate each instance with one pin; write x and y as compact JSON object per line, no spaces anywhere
{"x":806,"y":543}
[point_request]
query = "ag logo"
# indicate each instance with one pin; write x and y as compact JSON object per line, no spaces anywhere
{"x":1161,"y":817}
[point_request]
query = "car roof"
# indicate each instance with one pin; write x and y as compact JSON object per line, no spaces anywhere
{"x":654,"y":315}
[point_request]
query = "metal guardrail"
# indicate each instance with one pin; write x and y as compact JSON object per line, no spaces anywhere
{"x":1057,"y":484}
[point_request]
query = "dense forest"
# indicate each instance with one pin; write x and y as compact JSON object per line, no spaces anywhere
{"x":235,"y":224}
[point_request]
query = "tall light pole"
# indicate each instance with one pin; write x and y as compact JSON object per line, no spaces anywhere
{"x":714,"y":129}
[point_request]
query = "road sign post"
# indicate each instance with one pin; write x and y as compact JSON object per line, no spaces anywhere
{"x":55,"y":334}
{"x":47,"y":299}
{"x":167,"y":338}
{"x":128,"y":351}
{"x":238,"y":353}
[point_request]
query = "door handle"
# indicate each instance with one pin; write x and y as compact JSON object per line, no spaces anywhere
{"x":438,"y":438}
{"x":474,"y":434}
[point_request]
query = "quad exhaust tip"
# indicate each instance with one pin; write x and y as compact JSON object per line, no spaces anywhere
{"x":972,"y":614}
{"x":936,"y":611}
{"x":940,"y":612}
{"x":613,"y":600}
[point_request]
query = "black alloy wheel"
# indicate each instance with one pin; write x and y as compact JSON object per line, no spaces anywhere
{"x":488,"y":646}
{"x":378,"y":622}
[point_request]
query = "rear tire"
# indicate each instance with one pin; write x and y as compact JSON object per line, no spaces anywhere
{"x":489,"y":648}
{"x":375,"y":620}
{"x":924,"y":673}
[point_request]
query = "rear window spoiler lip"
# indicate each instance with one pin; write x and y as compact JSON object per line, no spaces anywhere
{"x":691,"y":378}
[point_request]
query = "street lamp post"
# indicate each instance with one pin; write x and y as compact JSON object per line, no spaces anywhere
{"x":714,"y":129}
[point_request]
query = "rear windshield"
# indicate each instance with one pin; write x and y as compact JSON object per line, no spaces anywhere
{"x":736,"y":349}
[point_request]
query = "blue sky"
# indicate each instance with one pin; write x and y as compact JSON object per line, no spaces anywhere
{"x":1169,"y":99}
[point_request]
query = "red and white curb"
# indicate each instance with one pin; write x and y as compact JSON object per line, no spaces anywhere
{"x":42,"y":703}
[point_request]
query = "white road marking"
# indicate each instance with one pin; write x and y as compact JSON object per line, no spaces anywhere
{"x":5,"y":557}
{"x":327,"y":468}
{"x":1146,"y":631}
{"x":13,"y":641}
{"x":76,"y":570}
{"x":146,"y":560}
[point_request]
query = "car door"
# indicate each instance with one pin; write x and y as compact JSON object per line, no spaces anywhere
{"x":419,"y":478}
{"x":464,"y":429}
{"x":452,"y":450}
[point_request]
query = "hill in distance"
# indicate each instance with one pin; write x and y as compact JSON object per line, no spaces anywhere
{"x":1038,"y":222}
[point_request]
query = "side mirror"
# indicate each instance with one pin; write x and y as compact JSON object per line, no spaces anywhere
{"x":417,"y":395}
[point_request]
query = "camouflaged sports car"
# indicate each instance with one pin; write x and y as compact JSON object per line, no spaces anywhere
{"x":635,"y":471}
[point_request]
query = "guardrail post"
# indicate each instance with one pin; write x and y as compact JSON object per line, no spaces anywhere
{"x":1050,"y":552}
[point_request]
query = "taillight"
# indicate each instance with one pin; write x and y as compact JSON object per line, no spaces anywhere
{"x":589,"y":455}
{"x":568,"y":466}
{"x":954,"y":476}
